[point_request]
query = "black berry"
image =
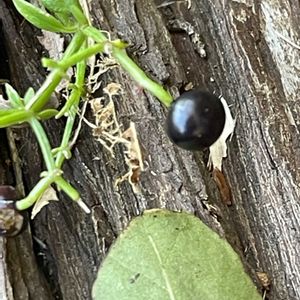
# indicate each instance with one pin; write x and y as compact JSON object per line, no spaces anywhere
{"x":195,"y":120}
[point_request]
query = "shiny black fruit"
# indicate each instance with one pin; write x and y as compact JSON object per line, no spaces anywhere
{"x":195,"y":120}
{"x":11,"y":221}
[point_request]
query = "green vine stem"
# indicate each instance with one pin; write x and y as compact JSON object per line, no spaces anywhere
{"x":139,"y":75}
{"x":14,"y":117}
{"x":52,"y":175}
{"x":131,"y":67}
{"x":38,"y":190}
{"x":72,"y":193}
{"x":75,"y":58}
{"x":39,"y":100}
{"x":43,"y":143}
{"x":53,"y":166}
{"x":67,"y":188}
{"x":72,"y":110}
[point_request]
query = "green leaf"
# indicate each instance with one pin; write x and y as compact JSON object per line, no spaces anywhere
{"x":13,"y":96}
{"x":78,"y":15}
{"x":65,"y":10}
{"x":47,"y":114}
{"x":60,"y":5}
{"x":28,"y":95}
{"x":168,"y":255}
{"x":40,"y":18}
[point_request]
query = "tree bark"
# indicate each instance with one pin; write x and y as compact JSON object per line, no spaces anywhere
{"x":248,"y":51}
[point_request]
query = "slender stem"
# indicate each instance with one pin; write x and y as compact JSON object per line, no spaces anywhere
{"x":76,"y":92}
{"x":53,"y":167}
{"x":74,"y":101}
{"x":54,"y":78}
{"x":95,"y":34}
{"x":75,"y":44}
{"x":38,"y":190}
{"x":53,"y":175}
{"x":132,"y":68}
{"x":43,"y":142}
{"x":43,"y":94}
{"x":14,"y":117}
{"x":67,"y":188}
{"x":41,"y":97}
{"x":4,"y":111}
{"x":140,"y":76}
{"x":60,"y":156}
{"x":79,"y":56}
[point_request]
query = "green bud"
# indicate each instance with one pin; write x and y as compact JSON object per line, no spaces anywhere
{"x":47,"y":114}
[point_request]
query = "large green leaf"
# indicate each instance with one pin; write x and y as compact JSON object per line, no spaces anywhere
{"x":60,"y":5}
{"x":168,"y":255}
{"x":40,"y":18}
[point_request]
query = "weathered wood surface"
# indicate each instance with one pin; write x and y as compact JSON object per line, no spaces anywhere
{"x":252,"y":59}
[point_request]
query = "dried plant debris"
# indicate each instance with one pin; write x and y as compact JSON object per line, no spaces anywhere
{"x":133,"y":158}
{"x":223,"y":186}
{"x":101,"y":66}
{"x":48,"y":195}
{"x":97,"y":68}
{"x":264,"y":280}
{"x":107,"y":129}
{"x":109,"y":132}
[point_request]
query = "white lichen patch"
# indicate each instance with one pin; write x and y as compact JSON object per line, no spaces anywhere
{"x":195,"y":37}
